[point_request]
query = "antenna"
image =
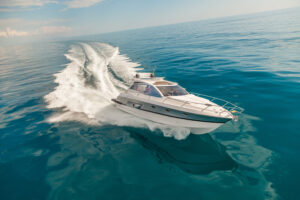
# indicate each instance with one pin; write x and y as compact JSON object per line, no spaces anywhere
{"x":153,"y":71}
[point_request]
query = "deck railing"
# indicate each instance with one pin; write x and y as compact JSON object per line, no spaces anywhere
{"x":221,"y":102}
{"x":229,"y":107}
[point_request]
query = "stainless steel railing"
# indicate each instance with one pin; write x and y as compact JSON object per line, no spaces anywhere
{"x":229,"y":107}
{"x":221,"y":102}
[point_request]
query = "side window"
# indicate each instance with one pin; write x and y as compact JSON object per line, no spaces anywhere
{"x":134,"y":86}
{"x":145,"y":89}
{"x":140,"y":87}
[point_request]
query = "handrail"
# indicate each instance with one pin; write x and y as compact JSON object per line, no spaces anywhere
{"x":228,"y":106}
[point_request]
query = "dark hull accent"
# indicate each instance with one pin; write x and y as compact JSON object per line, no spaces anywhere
{"x":168,"y":111}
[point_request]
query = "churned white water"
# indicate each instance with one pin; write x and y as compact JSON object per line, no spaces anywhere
{"x":97,"y":73}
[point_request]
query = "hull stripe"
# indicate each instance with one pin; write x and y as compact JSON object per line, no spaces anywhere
{"x":116,"y":101}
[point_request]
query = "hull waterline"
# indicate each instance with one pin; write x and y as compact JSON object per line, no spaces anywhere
{"x":197,"y":127}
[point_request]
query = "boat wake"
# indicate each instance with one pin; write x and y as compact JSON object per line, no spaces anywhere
{"x":97,"y":73}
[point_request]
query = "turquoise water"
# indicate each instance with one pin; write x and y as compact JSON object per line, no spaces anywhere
{"x":60,"y":137}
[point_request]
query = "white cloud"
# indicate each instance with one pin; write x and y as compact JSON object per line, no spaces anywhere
{"x":3,"y":34}
{"x":54,"y":29}
{"x":24,"y":3}
{"x":12,"y":33}
{"x":10,"y":22}
{"x":29,"y":24}
{"x":13,"y":9}
{"x":81,"y":3}
{"x":44,"y":30}
{"x":11,"y":27}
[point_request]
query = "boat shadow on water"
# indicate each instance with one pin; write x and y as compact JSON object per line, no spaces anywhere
{"x":197,"y":154}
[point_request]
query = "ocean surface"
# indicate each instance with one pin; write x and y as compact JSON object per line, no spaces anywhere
{"x":61,"y":137}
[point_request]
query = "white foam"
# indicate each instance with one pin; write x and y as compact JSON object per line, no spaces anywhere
{"x":97,"y":73}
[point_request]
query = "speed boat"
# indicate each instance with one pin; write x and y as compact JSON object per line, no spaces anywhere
{"x":165,"y":102}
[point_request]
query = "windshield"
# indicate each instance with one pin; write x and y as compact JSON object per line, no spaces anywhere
{"x":145,"y":89}
{"x":172,"y":90}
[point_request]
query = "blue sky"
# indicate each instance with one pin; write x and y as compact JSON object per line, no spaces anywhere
{"x":51,"y":18}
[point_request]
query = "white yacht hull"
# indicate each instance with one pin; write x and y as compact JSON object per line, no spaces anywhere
{"x":197,"y":127}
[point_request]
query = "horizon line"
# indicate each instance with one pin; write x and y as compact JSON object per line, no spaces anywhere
{"x":189,"y":21}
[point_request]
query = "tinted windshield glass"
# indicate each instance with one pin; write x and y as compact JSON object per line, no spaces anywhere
{"x":174,"y":90}
{"x":145,"y":89}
